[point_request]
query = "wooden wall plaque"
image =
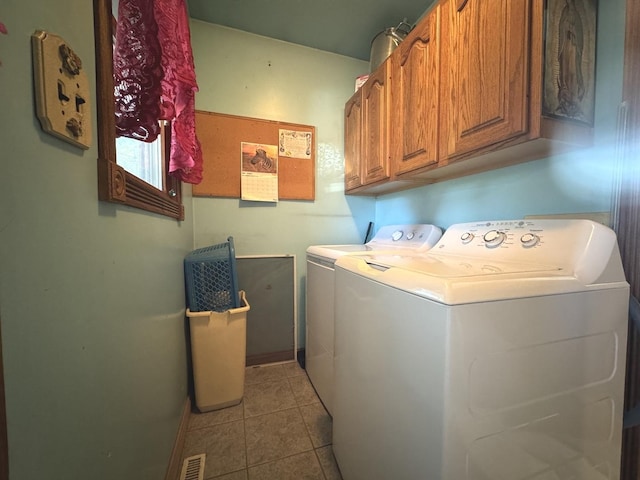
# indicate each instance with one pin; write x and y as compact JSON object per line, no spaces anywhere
{"x":221,"y":137}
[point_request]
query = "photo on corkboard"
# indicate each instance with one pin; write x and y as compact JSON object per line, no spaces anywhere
{"x":259,"y":158}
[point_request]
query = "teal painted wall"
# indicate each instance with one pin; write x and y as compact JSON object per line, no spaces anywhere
{"x":91,"y":295}
{"x":578,"y":182}
{"x":253,"y":76}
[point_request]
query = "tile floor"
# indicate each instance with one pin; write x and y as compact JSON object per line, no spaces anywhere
{"x":280,"y":431}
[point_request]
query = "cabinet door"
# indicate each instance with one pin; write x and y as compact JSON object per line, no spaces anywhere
{"x":375,"y":126}
{"x":415,"y":98}
{"x":489,"y":45}
{"x":353,"y":142}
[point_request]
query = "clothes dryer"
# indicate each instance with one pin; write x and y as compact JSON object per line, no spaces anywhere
{"x":320,"y":294}
{"x":499,"y":354}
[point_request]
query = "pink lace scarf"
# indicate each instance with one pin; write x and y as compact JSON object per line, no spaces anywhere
{"x":155,"y":79}
{"x":137,"y":71}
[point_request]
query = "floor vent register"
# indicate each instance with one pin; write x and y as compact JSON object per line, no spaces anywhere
{"x":193,"y":468}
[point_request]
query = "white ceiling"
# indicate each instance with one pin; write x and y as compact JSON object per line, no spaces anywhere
{"x":346,"y":27}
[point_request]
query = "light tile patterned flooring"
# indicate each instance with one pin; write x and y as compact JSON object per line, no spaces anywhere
{"x":280,"y":431}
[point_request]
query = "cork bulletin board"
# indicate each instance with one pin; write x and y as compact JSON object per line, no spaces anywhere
{"x":222,"y":136}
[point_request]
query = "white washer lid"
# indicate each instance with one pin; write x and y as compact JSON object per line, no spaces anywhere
{"x":463,"y":281}
{"x":447,"y":266}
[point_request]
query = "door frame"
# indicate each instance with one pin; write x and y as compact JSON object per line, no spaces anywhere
{"x":630,"y":462}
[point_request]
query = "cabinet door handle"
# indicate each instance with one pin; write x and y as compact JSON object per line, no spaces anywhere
{"x":462,"y":4}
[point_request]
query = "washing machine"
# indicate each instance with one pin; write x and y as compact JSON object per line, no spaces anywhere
{"x":320,"y":294}
{"x":499,"y":354}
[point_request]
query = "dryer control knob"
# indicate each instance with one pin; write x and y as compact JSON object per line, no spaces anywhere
{"x":494,"y":238}
{"x":529,"y":240}
{"x":466,"y":237}
{"x":397,"y":235}
{"x":410,"y":235}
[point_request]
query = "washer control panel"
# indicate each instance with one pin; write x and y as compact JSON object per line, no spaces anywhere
{"x":545,"y":241}
{"x":507,"y":234}
{"x":411,"y":236}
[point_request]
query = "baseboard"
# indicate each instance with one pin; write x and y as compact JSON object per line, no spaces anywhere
{"x":175,"y":462}
{"x":271,"y":357}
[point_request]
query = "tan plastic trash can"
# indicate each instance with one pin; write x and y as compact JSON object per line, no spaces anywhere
{"x":218,"y":348}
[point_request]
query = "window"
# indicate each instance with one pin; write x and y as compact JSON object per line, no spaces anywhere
{"x":118,"y":181}
{"x":144,"y":160}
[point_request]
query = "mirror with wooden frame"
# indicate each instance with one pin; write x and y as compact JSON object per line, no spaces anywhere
{"x":115,"y":184}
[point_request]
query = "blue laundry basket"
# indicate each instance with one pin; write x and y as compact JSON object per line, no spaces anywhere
{"x":211,"y":278}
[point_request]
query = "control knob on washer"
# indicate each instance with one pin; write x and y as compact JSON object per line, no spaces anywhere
{"x":397,"y":235}
{"x":494,"y":238}
{"x":466,"y":237}
{"x":529,"y":240}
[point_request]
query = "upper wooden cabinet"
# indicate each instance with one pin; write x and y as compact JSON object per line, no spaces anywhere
{"x":486,"y":82}
{"x":415,"y":100}
{"x":366,"y":133}
{"x":353,"y":142}
{"x":375,"y":126}
{"x":468,"y":93}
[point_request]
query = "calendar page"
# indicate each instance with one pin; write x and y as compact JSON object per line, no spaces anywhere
{"x":259,"y":172}
{"x":259,"y":187}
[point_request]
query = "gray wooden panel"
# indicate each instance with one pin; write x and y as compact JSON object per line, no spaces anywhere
{"x":269,"y":283}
